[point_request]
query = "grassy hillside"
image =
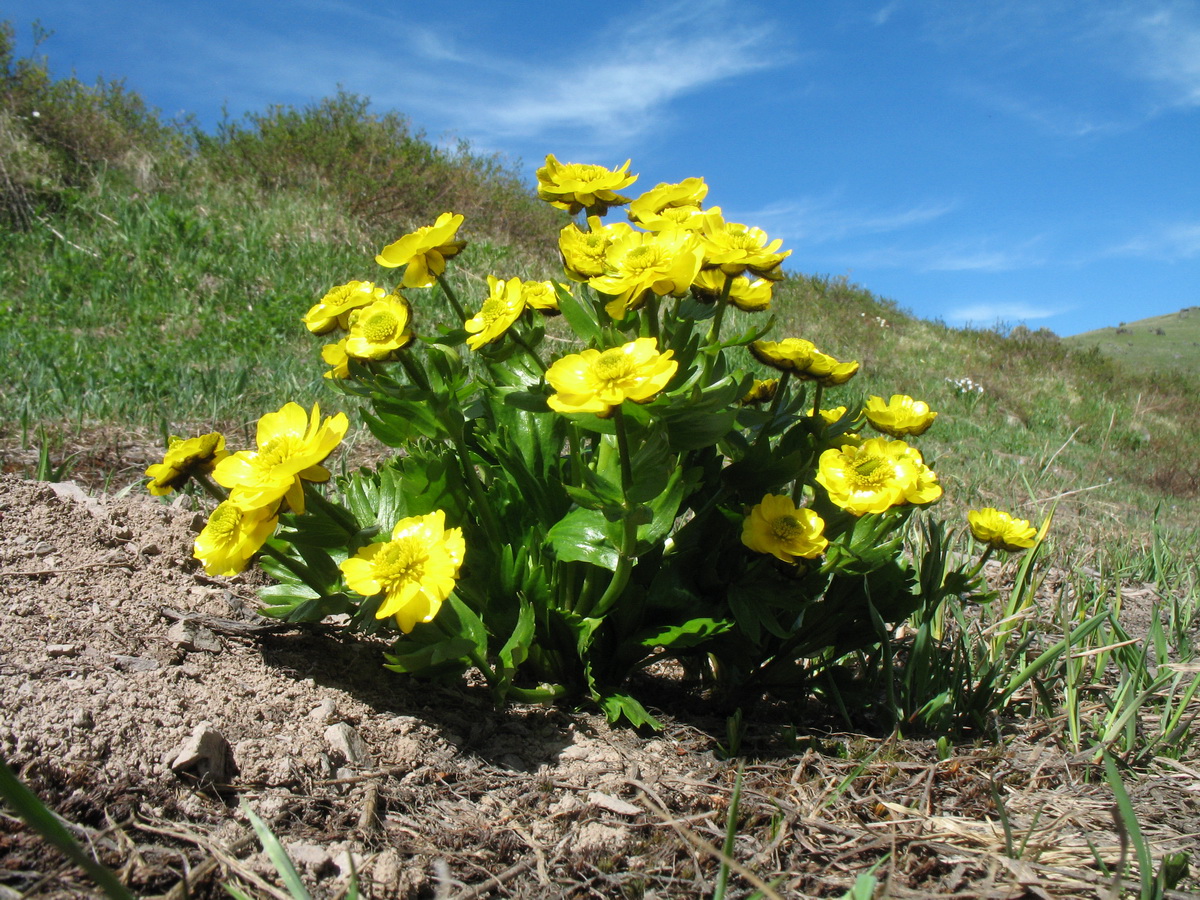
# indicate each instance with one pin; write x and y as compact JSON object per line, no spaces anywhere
{"x":1168,"y":343}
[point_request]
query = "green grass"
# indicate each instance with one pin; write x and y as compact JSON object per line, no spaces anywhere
{"x":1166,"y":344}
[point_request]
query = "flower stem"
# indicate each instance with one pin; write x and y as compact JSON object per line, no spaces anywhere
{"x":211,"y":489}
{"x":414,"y":371}
{"x":297,"y":568}
{"x":520,"y":341}
{"x":818,"y":390}
{"x":453,"y":298}
{"x":776,"y":404}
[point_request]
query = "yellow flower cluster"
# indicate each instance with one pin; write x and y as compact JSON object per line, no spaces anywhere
{"x":377,"y":324}
{"x":290,"y":449}
{"x":682,"y":248}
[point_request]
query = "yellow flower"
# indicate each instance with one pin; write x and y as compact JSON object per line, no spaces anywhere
{"x":333,"y":310}
{"x":380,"y":330}
{"x":576,"y":186}
{"x":735,"y":248}
{"x":747,"y":295}
{"x":876,"y":476}
{"x":761,"y":392}
{"x":789,"y":355}
{"x":503,"y":306}
{"x":686,"y":218}
{"x":595,"y":381}
{"x":899,"y":416}
{"x":830,"y":416}
{"x":1000,"y":530}
{"x":232,"y":536}
{"x":642,"y":263}
{"x":183,"y":459}
{"x":336,"y":356}
{"x":424,"y":251}
{"x":804,"y":360}
{"x":652,"y":210}
{"x":415,"y":571}
{"x":583,"y":251}
{"x":540,"y":295}
{"x":827,"y":371}
{"x":290,"y":449}
{"x":777,"y":527}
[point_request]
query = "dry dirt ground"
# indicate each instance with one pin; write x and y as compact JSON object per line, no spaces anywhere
{"x":146,"y":702}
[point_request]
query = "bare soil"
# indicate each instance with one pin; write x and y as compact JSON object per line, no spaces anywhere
{"x":146,"y":703}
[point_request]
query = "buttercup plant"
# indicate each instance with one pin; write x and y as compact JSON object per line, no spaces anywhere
{"x":560,"y":519}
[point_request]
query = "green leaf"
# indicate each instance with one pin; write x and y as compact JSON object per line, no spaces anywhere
{"x":455,"y":616}
{"x":282,"y":862}
{"x":619,"y":706}
{"x":683,"y":636}
{"x":583,"y":535}
{"x":516,"y":649}
{"x":449,"y":656}
{"x":652,"y":467}
{"x":27,"y":805}
{"x":580,"y":315}
{"x":530,"y":401}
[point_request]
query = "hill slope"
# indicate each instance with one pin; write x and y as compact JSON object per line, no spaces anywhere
{"x":1160,"y":343}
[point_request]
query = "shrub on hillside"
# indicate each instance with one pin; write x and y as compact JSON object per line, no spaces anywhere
{"x":377,"y":167}
{"x":58,"y":134}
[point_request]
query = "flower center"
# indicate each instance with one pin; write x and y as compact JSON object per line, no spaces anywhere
{"x":492,"y":310}
{"x":640,"y":258}
{"x":873,"y":471}
{"x":401,"y":561}
{"x":277,"y":451}
{"x":612,"y":365}
{"x":224,"y":520}
{"x":584,"y":173}
{"x":380,"y":327}
{"x":787,"y":528}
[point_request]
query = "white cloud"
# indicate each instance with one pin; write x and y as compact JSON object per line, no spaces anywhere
{"x":982,"y":254}
{"x":644,"y":67}
{"x":1167,"y":41}
{"x":988,"y":314}
{"x":817,"y":220}
{"x":1170,"y":242}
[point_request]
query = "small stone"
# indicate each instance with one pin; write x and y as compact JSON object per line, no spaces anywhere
{"x":614,"y":804}
{"x":193,"y":637}
{"x":344,"y":739}
{"x":311,"y":856}
{"x":205,"y":753}
{"x":325,"y":713}
{"x":597,"y":839}
{"x":134,"y":663}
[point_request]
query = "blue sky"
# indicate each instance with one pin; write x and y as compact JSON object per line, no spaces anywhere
{"x":1031,"y":161}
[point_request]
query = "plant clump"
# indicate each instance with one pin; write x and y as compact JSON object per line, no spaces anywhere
{"x":591,"y":476}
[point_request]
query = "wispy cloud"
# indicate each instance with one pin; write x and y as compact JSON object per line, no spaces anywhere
{"x":819,"y":220}
{"x":677,"y":50}
{"x":982,"y":254}
{"x":1167,"y":40}
{"x":1170,"y":243}
{"x":988,"y":314}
